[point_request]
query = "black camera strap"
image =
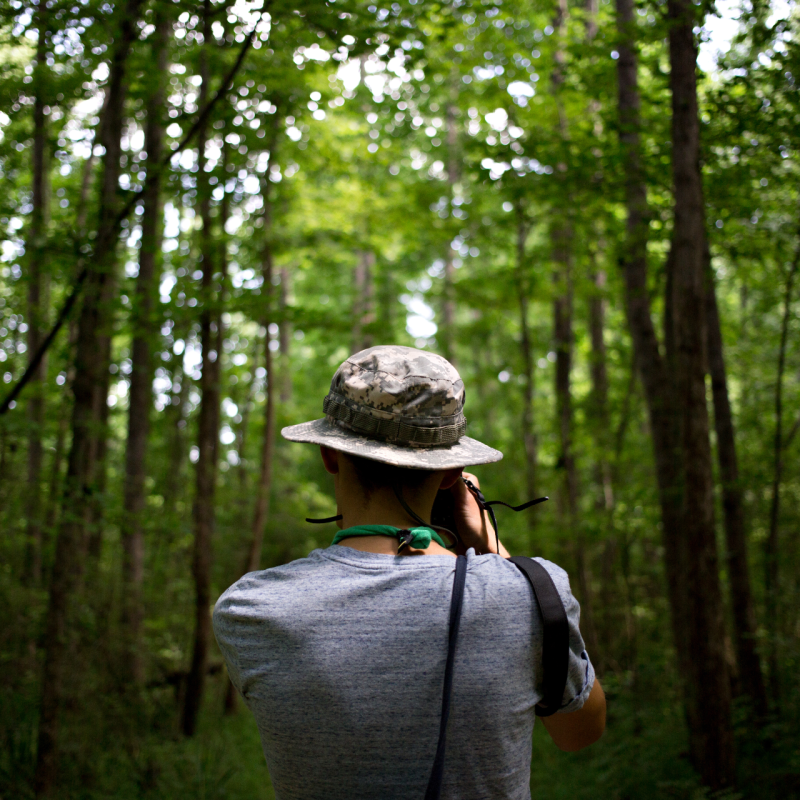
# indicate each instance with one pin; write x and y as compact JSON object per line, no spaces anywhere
{"x":555,"y":651}
{"x":555,"y":640}
{"x":434,"y":790}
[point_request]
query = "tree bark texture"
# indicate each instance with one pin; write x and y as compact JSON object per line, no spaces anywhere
{"x":744,"y":618}
{"x":771,"y":546}
{"x":89,"y":369}
{"x":141,"y":381}
{"x":709,"y":686}
{"x":37,"y":304}
{"x":208,"y":423}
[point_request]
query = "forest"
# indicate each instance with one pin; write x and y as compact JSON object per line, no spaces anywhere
{"x":207,"y":205}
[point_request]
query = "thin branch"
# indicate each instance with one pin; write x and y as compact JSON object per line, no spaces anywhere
{"x":123,"y":213}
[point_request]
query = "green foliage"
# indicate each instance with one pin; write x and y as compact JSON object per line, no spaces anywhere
{"x":409,"y":135}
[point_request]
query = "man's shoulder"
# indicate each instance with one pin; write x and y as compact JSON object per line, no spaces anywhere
{"x":259,"y":587}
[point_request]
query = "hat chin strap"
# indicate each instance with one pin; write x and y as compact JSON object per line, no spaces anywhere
{"x":398,"y":492}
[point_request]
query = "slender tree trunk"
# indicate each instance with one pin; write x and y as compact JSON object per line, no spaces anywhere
{"x":71,"y":539}
{"x":208,"y":424}
{"x":177,"y":446}
{"x":83,"y":198}
{"x":244,"y":429}
{"x":744,"y":618}
{"x":264,"y":487}
{"x":771,"y":546}
{"x":599,"y":373}
{"x":364,"y":306}
{"x":529,"y":438}
{"x":286,"y":337}
{"x":261,"y":510}
{"x":651,"y":367}
{"x":709,"y":686}
{"x":140,"y":397}
{"x":54,"y":483}
{"x":561,"y":236}
{"x":447,"y":336}
{"x":37,"y":304}
{"x":176,"y":414}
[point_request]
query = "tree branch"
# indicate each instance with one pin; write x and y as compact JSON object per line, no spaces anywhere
{"x":123,"y":213}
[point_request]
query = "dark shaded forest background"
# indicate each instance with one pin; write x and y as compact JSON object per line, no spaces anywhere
{"x":211,"y":204}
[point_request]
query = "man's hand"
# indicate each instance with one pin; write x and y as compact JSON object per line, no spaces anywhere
{"x":472,"y":522}
{"x":579,"y":729}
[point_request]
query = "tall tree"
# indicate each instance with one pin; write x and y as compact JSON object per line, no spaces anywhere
{"x":599,"y":372}
{"x":264,"y":488}
{"x":650,"y":364}
{"x":89,"y":369}
{"x":744,"y":618}
{"x":529,"y":437}
{"x":141,"y":380}
{"x":285,"y":336}
{"x":562,"y":237}
{"x":709,"y":686}
{"x":771,"y":550}
{"x":208,"y":424}
{"x":37,"y":295}
{"x":448,"y":333}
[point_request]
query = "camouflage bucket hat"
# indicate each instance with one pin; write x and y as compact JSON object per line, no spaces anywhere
{"x":397,"y":405}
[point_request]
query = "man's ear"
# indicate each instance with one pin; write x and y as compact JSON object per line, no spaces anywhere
{"x":330,"y":458}
{"x":449,"y":477}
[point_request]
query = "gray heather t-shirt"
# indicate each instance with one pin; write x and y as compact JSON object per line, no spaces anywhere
{"x":340,"y":656}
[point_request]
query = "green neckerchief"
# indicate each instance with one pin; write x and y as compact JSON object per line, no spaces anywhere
{"x":420,"y":537}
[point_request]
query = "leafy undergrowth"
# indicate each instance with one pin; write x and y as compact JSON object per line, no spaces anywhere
{"x":642,"y":755}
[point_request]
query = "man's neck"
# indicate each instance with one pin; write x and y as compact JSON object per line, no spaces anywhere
{"x":386,"y":545}
{"x":383,"y":508}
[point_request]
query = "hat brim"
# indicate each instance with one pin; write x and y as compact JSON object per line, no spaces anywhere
{"x":466,"y":452}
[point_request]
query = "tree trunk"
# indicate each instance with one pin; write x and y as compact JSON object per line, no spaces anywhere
{"x":244,"y":428}
{"x":176,"y":413}
{"x":363,"y":307}
{"x":447,"y":337}
{"x":54,"y":483}
{"x":286,"y":337}
{"x":561,"y":236}
{"x":652,"y":370}
{"x":261,"y":510}
{"x":529,"y":438}
{"x":771,"y":549}
{"x":37,"y":303}
{"x":89,"y":368}
{"x":709,"y":686}
{"x":208,"y":424}
{"x":744,"y":618}
{"x":174,"y":483}
{"x":599,"y":373}
{"x":141,"y":381}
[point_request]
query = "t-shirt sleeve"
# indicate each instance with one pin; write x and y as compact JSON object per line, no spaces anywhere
{"x":227,"y":633}
{"x":580,"y":673}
